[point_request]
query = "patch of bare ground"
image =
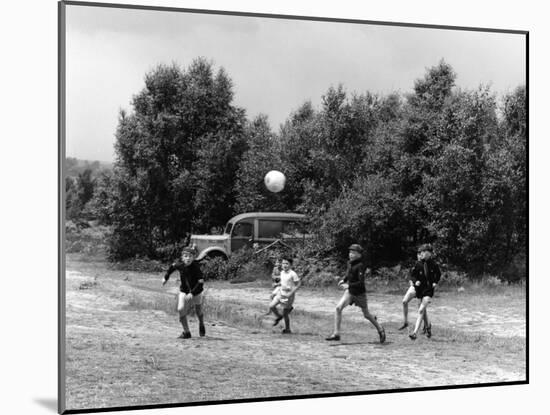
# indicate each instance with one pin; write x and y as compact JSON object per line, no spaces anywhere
{"x":121,"y":345}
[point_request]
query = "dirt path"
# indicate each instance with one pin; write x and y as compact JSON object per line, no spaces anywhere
{"x":123,"y":351}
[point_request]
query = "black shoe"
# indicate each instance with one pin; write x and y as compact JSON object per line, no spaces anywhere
{"x":286,"y":331}
{"x":429,"y":331}
{"x":335,"y":337}
{"x":404,"y":326}
{"x":184,"y":335}
{"x":277,"y":320}
{"x":382,"y":334}
{"x":412,"y":336}
{"x":202,"y":330}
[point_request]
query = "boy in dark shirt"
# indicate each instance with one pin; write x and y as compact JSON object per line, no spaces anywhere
{"x":409,"y":295}
{"x":191,"y":287}
{"x":425,"y":276}
{"x":355,"y":293}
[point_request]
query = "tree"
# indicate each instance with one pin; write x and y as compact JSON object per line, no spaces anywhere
{"x":261,"y":156}
{"x":167,"y":157}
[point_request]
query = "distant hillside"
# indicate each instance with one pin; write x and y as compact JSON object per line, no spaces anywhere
{"x":76,"y":166}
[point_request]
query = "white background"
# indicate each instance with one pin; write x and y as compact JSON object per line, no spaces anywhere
{"x":28,"y":366}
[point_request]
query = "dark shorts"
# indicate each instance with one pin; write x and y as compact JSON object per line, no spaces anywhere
{"x":425,"y":293}
{"x":358,"y":300}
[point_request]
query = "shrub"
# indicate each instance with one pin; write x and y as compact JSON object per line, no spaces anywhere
{"x":167,"y":252}
{"x":516,"y":270}
{"x":491,"y":281}
{"x":453,"y":278}
{"x":139,"y":264}
{"x":321,"y":279}
{"x":91,"y":240}
{"x":317,"y":272}
{"x":391,"y":274}
{"x":214,"y":268}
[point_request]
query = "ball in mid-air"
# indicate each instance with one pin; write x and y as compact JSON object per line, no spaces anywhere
{"x":275,"y":181}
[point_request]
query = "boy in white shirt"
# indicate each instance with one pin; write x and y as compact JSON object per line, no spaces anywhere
{"x":290,"y":282}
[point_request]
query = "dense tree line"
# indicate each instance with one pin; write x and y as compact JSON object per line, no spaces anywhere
{"x":441,"y":165}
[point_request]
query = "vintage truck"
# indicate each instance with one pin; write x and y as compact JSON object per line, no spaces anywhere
{"x":255,"y":230}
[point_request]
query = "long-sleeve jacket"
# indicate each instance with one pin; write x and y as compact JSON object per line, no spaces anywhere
{"x":190,"y":277}
{"x":427,"y":279}
{"x":355,"y":277}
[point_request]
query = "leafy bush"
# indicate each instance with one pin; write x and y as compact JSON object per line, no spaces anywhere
{"x":321,"y":279}
{"x":91,"y":240}
{"x":139,"y":264}
{"x":516,"y":271}
{"x":389,"y":275}
{"x":214,"y":268}
{"x":491,"y":281}
{"x":170,"y":251}
{"x":453,"y":278}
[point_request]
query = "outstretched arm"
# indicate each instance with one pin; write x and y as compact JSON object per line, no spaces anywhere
{"x":437,"y":275}
{"x":171,"y":269}
{"x":298,"y":285}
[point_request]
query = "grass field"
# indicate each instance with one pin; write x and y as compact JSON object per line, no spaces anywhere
{"x":122,"y":349}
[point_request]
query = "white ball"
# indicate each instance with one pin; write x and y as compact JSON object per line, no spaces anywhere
{"x":275,"y":181}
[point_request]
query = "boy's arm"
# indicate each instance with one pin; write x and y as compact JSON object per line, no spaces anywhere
{"x":170,"y":270}
{"x":298,"y":285}
{"x":437,"y":273}
{"x":200,"y":281}
{"x":413,"y":276}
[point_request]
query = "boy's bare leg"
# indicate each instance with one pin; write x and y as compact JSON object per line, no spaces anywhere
{"x":427,"y":325}
{"x":286,"y":312}
{"x":273,"y":307}
{"x":372,"y":319}
{"x":182,"y":312}
{"x":343,"y":303}
{"x":410,"y":294}
{"x":184,"y":324}
{"x":200,"y":316}
{"x":421,"y":316}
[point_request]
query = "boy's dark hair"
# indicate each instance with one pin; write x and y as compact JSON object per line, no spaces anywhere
{"x":425,"y":247}
{"x":286,"y":258}
{"x":188,"y":249}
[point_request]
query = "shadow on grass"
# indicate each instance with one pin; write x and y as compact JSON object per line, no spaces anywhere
{"x":364,"y":343}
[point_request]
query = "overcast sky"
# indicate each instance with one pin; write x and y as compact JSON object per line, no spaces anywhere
{"x":275,"y":64}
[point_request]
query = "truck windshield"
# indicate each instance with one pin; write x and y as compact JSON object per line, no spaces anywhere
{"x":228,"y":228}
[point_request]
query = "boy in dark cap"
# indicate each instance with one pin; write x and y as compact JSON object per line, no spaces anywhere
{"x":355,"y":293}
{"x":191,"y":288}
{"x":409,"y":295}
{"x":425,"y":276}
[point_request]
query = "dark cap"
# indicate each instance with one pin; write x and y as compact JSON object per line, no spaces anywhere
{"x":425,"y":247}
{"x":356,"y":248}
{"x":189,"y":249}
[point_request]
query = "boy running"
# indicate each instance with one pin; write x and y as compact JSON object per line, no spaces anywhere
{"x":409,"y":295}
{"x":425,"y":276}
{"x":290,"y":282}
{"x":191,"y":288}
{"x":355,"y":293}
{"x":276,"y":279}
{"x":275,"y":283}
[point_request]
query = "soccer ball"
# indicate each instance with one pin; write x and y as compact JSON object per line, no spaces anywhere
{"x":274,"y":181}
